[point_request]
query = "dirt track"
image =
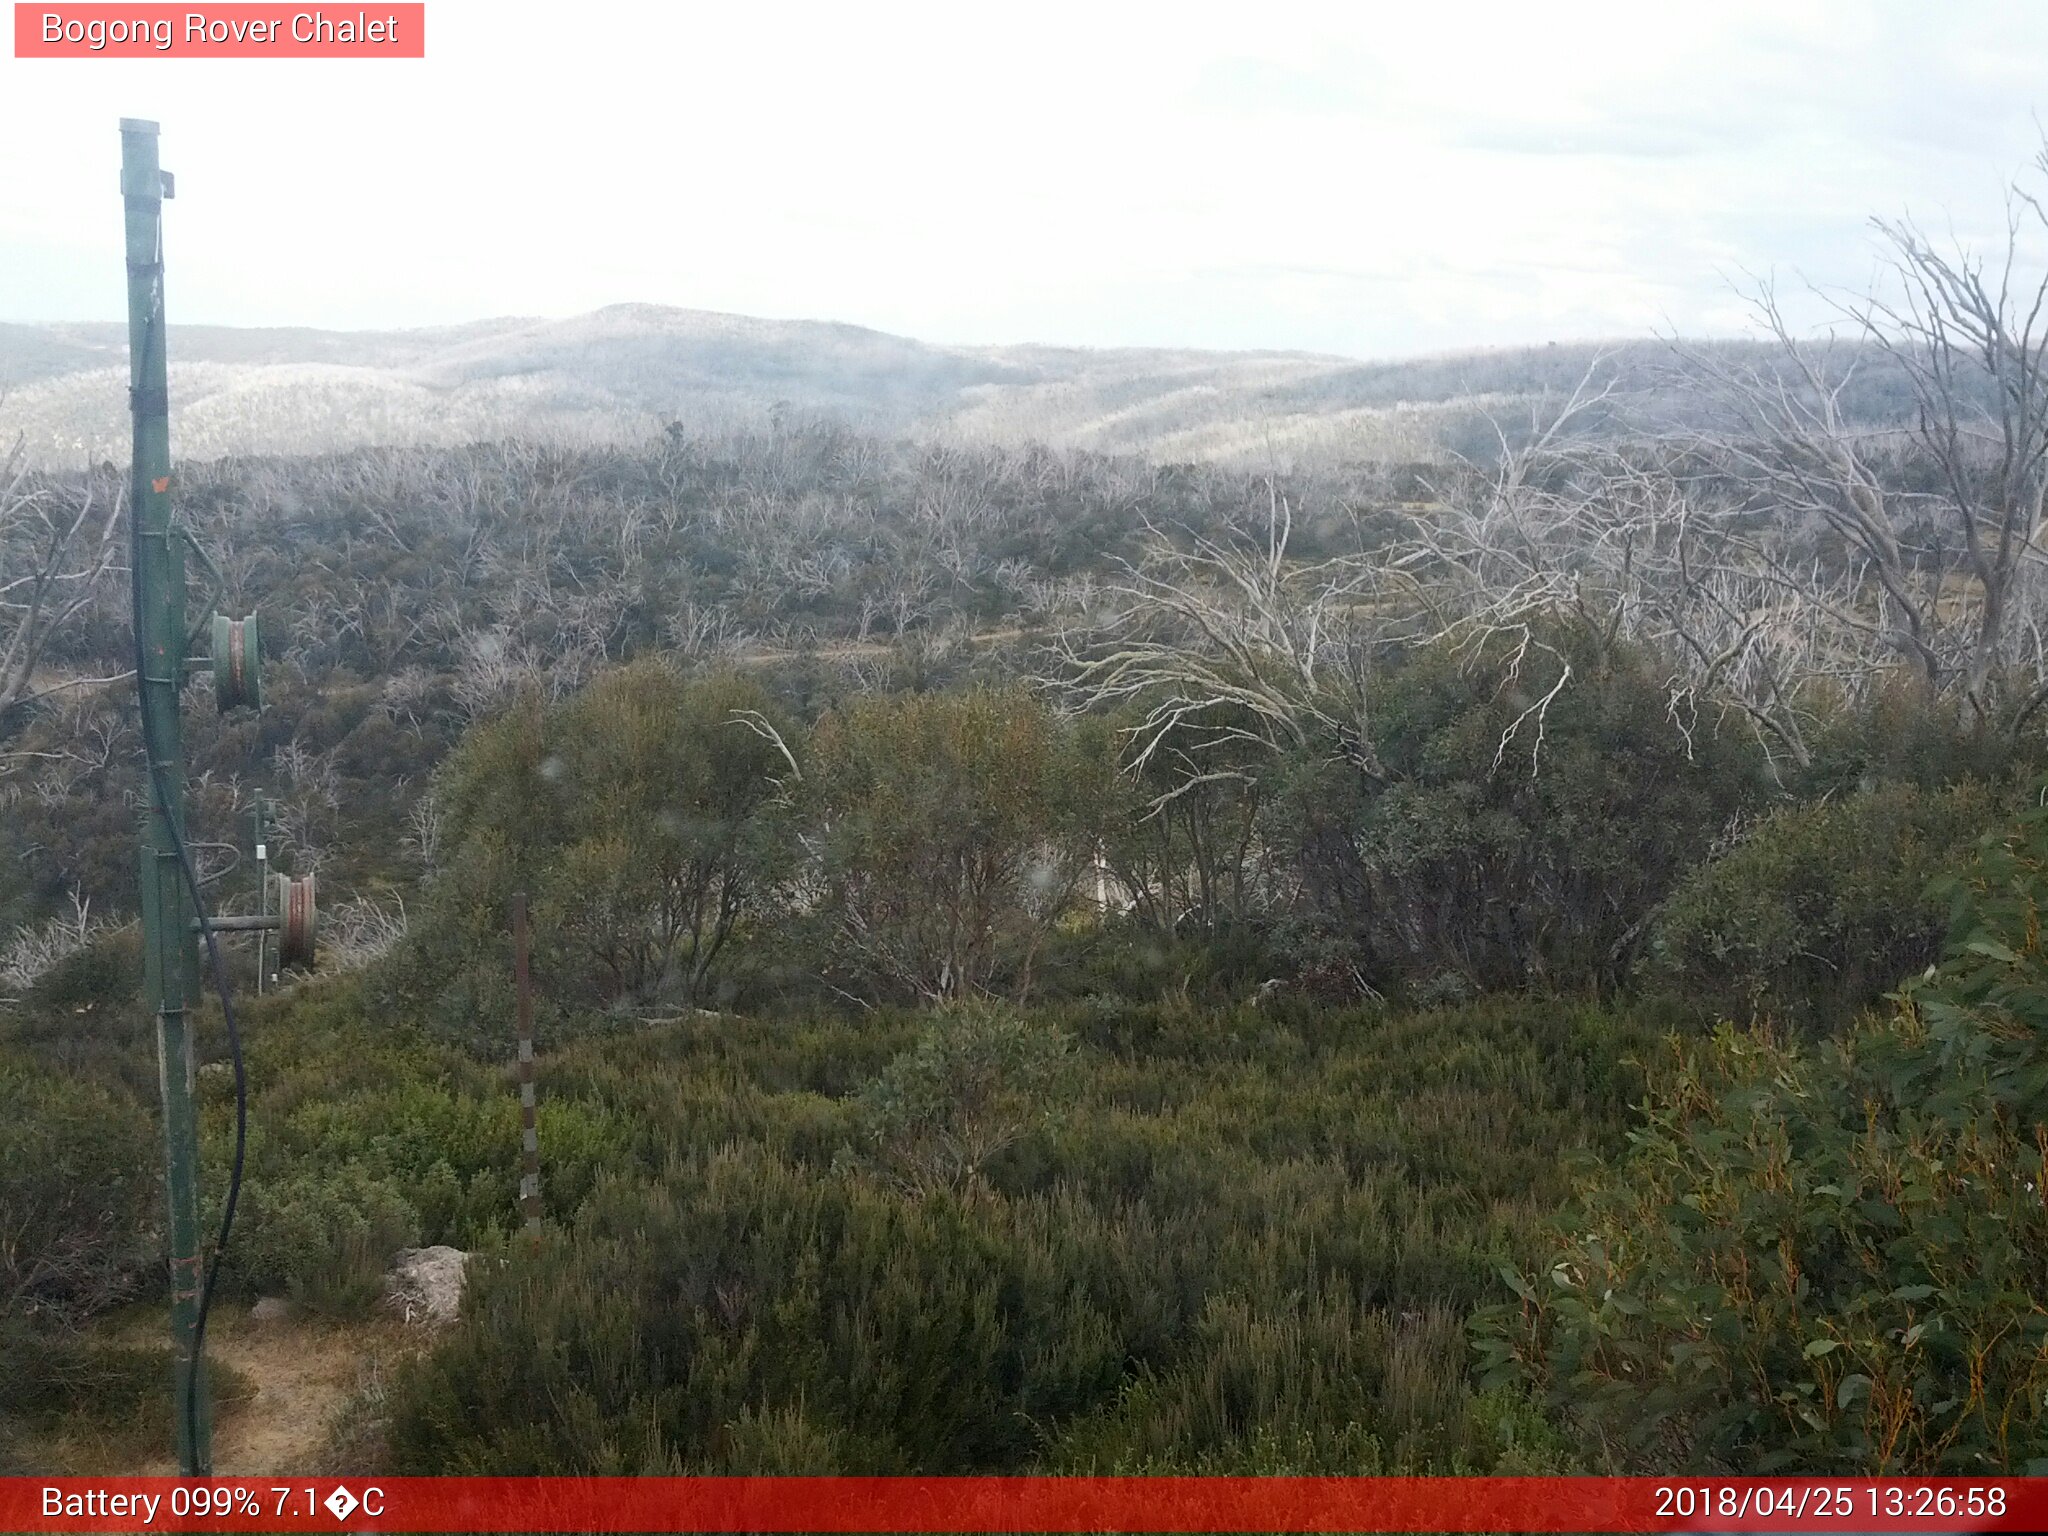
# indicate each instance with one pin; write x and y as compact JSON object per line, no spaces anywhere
{"x":306,"y":1374}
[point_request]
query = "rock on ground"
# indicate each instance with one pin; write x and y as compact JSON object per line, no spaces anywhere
{"x":424,"y":1285}
{"x":270,"y":1309}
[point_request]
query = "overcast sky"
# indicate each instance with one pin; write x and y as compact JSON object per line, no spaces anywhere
{"x":1368,"y":179}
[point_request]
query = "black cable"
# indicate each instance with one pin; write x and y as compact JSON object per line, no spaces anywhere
{"x":160,"y":792}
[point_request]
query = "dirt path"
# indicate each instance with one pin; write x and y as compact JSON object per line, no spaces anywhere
{"x":305,"y":1375}
{"x":850,"y":650}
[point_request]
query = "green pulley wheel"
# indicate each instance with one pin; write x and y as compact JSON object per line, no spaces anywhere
{"x":237,"y":663}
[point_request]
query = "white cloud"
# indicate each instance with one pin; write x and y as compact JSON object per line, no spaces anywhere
{"x":1360,"y":179}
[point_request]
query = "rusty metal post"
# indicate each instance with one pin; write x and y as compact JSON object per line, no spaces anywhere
{"x":529,"y":1161}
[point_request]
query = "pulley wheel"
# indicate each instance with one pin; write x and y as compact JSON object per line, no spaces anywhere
{"x":298,"y":919}
{"x":237,"y":663}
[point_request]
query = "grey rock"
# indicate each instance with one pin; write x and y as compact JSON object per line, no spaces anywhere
{"x":424,"y":1285}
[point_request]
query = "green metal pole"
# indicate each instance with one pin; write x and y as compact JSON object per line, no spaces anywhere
{"x":170,"y":955}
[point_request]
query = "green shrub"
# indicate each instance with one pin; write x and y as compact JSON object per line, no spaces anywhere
{"x":59,"y":1380}
{"x":52,"y":1371}
{"x":1129,"y":957}
{"x":1514,"y":838}
{"x":103,"y":975}
{"x":1901,"y":735}
{"x":1820,"y":909}
{"x":978,"y":1078}
{"x":644,"y":818}
{"x":731,"y":1285}
{"x":1827,"y":1258}
{"x":955,"y":830}
{"x":673,"y":831}
{"x":322,"y":1236}
{"x":79,"y":1188}
{"x":367,"y":1135}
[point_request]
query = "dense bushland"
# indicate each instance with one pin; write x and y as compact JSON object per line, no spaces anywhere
{"x":407,"y":593}
{"x":1182,"y":1236}
{"x":1052,"y":961}
{"x":689,"y":840}
{"x":1136,"y":1223}
{"x":947,"y":1069}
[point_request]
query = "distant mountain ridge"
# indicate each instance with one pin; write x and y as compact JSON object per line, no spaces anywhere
{"x":622,"y":372}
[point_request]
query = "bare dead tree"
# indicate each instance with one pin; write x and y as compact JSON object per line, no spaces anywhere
{"x":1972,"y":338}
{"x":357,"y":931}
{"x":1790,"y":445}
{"x":33,"y":951}
{"x":425,"y":823}
{"x":1618,"y":549}
{"x":1791,"y":555}
{"x":1943,"y":574}
{"x":697,"y":632}
{"x":1221,"y":642}
{"x":55,"y":546}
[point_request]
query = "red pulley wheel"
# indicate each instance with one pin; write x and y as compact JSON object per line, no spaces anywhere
{"x":298,"y":920}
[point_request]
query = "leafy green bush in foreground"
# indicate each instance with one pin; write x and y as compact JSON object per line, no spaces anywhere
{"x":1822,"y":908}
{"x":1827,"y":1258}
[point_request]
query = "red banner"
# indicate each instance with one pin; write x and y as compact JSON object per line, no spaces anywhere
{"x":374,"y":31}
{"x":1022,"y":1504}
